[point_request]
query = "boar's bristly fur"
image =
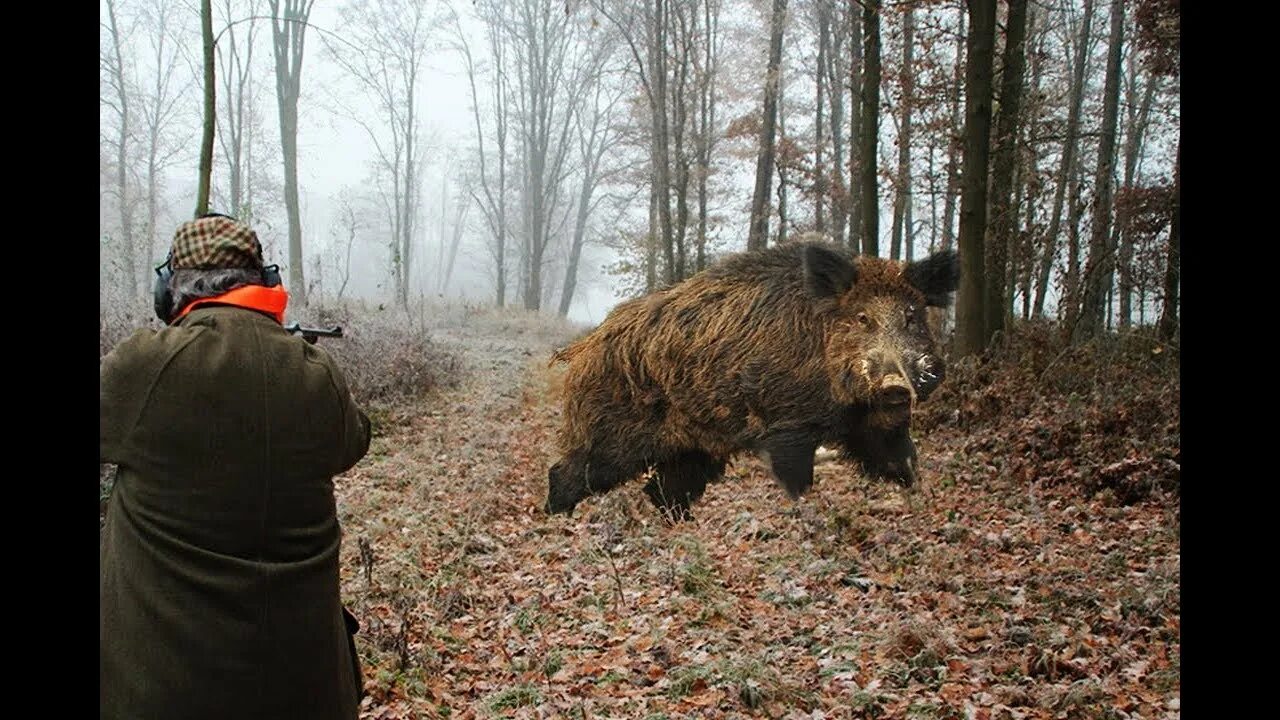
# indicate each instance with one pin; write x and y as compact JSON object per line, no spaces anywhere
{"x":774,"y":352}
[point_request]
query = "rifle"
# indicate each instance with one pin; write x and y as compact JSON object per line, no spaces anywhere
{"x":310,"y":334}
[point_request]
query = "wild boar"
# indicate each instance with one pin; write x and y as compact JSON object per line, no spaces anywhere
{"x":773,"y":352}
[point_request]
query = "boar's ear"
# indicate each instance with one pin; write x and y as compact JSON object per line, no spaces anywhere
{"x":937,"y":276}
{"x":826,"y":272}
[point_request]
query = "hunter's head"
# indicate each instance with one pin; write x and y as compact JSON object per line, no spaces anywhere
{"x":211,"y":256}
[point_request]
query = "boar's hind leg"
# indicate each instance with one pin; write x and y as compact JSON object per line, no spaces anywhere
{"x":681,"y":481}
{"x":791,"y":458}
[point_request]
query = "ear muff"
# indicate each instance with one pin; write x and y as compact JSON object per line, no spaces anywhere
{"x":161,"y":295}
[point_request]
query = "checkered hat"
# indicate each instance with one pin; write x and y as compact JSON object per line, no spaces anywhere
{"x":215,"y":242}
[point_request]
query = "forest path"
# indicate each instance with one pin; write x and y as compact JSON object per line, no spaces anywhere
{"x":975,"y":597}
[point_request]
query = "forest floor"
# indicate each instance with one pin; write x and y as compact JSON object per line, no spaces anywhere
{"x":985,"y":593}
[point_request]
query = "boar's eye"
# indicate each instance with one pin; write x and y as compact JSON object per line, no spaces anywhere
{"x":911,"y":315}
{"x":864,"y":320}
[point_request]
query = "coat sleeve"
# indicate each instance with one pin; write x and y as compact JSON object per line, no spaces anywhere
{"x":122,"y":381}
{"x":126,"y":377}
{"x":356,"y":427}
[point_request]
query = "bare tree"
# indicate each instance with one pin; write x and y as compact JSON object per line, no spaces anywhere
{"x":288,"y":34}
{"x":956,"y":140}
{"x":493,"y":205}
{"x":819,"y":128}
{"x":547,"y":78}
{"x":1159,"y":32}
{"x":902,"y":194}
{"x":759,"y":229}
{"x":831,"y":37}
{"x":1004,"y":215}
{"x":686,"y":34}
{"x":1101,"y":261}
{"x":461,"y":206}
{"x":867,"y":158}
{"x":349,"y":223}
{"x":206,"y":142}
{"x":856,"y":114}
{"x":707,"y":75}
{"x":1173,"y":262}
{"x":597,"y":139}
{"x":1026,"y":243}
{"x":782,"y":163}
{"x":384,"y":56}
{"x":1067,"y":171}
{"x":235,"y":65}
{"x":970,"y":317}
{"x":118,"y":87}
{"x":1138,"y":118}
{"x":159,"y":109}
{"x":643,"y":28}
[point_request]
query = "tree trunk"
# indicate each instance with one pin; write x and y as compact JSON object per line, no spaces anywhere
{"x":210,"y":115}
{"x":855,"y":123}
{"x":459,"y":221}
{"x":1031,"y":116}
{"x":956,"y":139}
{"x":289,"y":35}
{"x":1173,"y":261}
{"x":410,"y":205}
{"x":237,"y":90}
{"x":819,"y":171}
{"x":125,"y":202}
{"x":706,"y":126}
{"x":1101,"y":261}
{"x":651,"y":247}
{"x":1071,"y":292}
{"x":970,"y":314}
{"x":1067,"y":172}
{"x":758,"y":234}
{"x":680,"y":113}
{"x":1004,"y":219}
{"x":781,"y":236}
{"x":495,"y":210}
{"x":575,"y":250}
{"x":661,"y":136}
{"x":1139,"y":114}
{"x":834,"y":180}
{"x":902,"y":194}
{"x":870,"y":204}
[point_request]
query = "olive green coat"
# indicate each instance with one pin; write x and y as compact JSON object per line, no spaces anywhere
{"x":219,"y":560}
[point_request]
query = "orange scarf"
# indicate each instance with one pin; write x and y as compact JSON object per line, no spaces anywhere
{"x":270,"y":300}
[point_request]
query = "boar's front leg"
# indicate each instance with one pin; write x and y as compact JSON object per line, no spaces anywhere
{"x":791,"y":458}
{"x":887,"y":454}
{"x":681,"y":481}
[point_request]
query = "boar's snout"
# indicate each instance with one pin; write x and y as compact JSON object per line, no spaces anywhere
{"x":894,"y":394}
